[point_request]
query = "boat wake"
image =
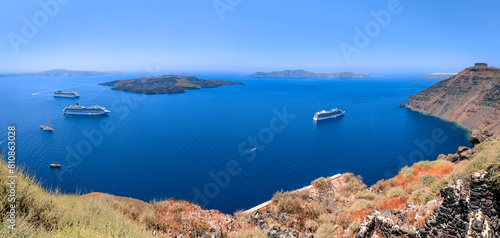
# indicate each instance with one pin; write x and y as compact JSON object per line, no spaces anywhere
{"x":251,"y":150}
{"x":50,"y":91}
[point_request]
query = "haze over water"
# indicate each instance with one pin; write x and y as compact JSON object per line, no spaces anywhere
{"x":164,"y":146}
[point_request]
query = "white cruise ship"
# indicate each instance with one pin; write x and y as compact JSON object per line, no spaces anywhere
{"x":334,"y":113}
{"x":61,"y":94}
{"x":85,"y":111}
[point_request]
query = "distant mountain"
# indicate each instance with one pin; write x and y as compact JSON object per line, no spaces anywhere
{"x":471,"y":99}
{"x":438,"y":75}
{"x":60,"y":72}
{"x":167,"y":84}
{"x":306,"y":74}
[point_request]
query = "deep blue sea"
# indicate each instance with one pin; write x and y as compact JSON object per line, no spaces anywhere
{"x":195,"y":146}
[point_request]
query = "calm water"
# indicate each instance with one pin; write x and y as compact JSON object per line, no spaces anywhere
{"x":162,"y":146}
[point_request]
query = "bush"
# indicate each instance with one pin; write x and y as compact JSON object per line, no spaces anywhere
{"x":255,"y":233}
{"x":406,"y":172}
{"x":392,"y":182}
{"x":311,"y":225}
{"x":380,"y":185}
{"x":360,"y":205}
{"x":395,"y":192}
{"x":340,"y":217}
{"x":425,"y":164}
{"x":278,"y":196}
{"x":427,"y":179}
{"x":242,"y":216}
{"x":418,"y":196}
{"x":316,"y":209}
{"x":353,"y":184}
{"x":326,"y":231}
{"x":321,"y":184}
{"x":365,"y":194}
{"x":304,"y":194}
{"x":287,"y":202}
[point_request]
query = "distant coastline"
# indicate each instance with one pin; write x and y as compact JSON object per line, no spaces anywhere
{"x":438,"y":75}
{"x":167,"y":84}
{"x":59,"y":72}
{"x":306,"y":74}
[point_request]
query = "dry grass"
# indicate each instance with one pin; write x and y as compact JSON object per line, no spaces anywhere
{"x":360,"y":205}
{"x":41,"y":213}
{"x":254,"y":233}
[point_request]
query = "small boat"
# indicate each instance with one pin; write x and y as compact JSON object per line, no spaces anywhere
{"x":47,"y":126}
{"x":55,"y":166}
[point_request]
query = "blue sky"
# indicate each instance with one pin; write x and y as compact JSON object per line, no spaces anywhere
{"x":256,"y":35}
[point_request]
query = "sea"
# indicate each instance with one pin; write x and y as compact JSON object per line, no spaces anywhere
{"x":228,"y":148}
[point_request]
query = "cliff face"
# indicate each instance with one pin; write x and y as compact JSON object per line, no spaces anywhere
{"x":471,"y":99}
{"x":468,"y":209}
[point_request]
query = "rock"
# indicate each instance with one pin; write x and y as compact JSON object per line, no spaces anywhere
{"x":468,"y":209}
{"x":479,"y":136}
{"x":442,"y":157}
{"x":464,"y":153}
{"x":402,"y":104}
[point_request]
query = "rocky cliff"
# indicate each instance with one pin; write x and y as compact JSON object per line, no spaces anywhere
{"x":471,"y":99}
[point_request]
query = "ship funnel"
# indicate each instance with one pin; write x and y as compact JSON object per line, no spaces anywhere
{"x":77,"y":104}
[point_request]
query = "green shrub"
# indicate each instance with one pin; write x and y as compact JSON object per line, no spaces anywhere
{"x":395,"y":192}
{"x":427,"y":179}
{"x":406,"y":172}
{"x":326,"y":231}
{"x":360,"y":205}
{"x":425,"y":164}
{"x":418,"y":196}
{"x":321,"y":184}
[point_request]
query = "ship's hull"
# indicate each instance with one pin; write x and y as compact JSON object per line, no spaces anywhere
{"x":103,"y":113}
{"x":46,"y":128}
{"x":66,"y":96}
{"x":316,"y":118}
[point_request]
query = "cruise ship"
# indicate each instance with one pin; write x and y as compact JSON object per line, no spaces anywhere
{"x":85,"y":111}
{"x":334,"y":113}
{"x":61,"y":94}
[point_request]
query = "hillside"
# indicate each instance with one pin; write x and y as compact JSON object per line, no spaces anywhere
{"x":471,"y":99}
{"x":306,"y":74}
{"x":168,"y":84}
{"x":60,"y":72}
